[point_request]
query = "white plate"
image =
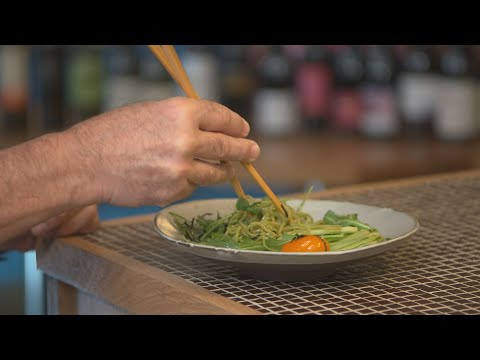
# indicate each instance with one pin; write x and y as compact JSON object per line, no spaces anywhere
{"x":392,"y":224}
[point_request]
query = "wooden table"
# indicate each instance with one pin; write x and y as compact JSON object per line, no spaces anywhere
{"x":125,"y":268}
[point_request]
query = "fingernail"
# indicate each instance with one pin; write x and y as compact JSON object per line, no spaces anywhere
{"x":246,"y":129}
{"x":254,"y":152}
{"x":39,"y":229}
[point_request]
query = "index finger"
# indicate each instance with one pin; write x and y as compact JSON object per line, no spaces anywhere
{"x":215,"y":117}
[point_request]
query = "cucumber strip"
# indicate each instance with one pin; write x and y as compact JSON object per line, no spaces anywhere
{"x":342,"y":230}
{"x":368,"y":241}
{"x":349,"y":240}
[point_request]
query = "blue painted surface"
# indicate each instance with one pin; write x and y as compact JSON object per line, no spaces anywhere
{"x":11,"y":284}
{"x":107,"y":212}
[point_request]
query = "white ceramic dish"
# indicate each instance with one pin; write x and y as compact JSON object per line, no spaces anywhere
{"x":267,"y":265}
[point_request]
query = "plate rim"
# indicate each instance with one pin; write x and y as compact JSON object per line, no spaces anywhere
{"x":290,"y":254}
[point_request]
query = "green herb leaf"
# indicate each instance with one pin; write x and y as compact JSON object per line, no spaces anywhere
{"x":249,"y":244}
{"x":273,"y":244}
{"x":221,"y":241}
{"x":331,"y":218}
{"x":243,"y":204}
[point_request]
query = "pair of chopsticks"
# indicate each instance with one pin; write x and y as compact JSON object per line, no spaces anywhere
{"x":168,"y":56}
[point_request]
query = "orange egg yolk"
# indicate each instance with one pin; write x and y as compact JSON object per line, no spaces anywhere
{"x":309,"y":243}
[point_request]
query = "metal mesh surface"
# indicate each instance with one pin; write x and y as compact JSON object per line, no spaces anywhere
{"x":436,"y":271}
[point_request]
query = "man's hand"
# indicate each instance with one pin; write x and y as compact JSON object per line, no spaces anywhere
{"x":149,"y":153}
{"x":153,"y":153}
{"x":81,"y":221}
{"x":78,"y":221}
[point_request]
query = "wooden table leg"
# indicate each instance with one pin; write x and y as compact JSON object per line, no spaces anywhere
{"x":64,"y":299}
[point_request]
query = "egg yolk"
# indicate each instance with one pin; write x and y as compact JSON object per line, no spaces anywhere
{"x":308,"y":243}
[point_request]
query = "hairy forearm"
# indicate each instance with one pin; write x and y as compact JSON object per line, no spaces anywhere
{"x":40,"y":179}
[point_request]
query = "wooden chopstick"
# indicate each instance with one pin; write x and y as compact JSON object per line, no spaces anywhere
{"x":167,"y":55}
{"x":170,"y":60}
{"x":266,"y":189}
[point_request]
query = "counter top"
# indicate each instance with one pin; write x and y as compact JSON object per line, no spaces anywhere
{"x":338,"y":160}
{"x":126,"y":268}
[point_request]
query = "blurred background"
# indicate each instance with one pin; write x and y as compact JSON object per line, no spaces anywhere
{"x":324,"y":115}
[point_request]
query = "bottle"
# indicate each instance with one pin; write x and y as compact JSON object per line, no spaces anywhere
{"x":475,"y":62}
{"x":120,"y":76}
{"x":83,"y":83}
{"x":455,"y":108}
{"x":346,"y":107}
{"x":275,"y":111}
{"x":237,"y":80}
{"x":296,"y":53}
{"x":203,"y":70}
{"x":46,"y":90}
{"x":314,"y":86}
{"x":13,"y":86}
{"x":154,"y":82}
{"x":416,"y":90}
{"x":379,"y":119}
{"x":255,"y":54}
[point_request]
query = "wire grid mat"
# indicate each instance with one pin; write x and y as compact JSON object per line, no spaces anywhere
{"x":436,"y":271}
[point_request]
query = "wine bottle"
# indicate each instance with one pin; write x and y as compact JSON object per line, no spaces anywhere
{"x":83,"y":83}
{"x":120,"y":76}
{"x":154,"y":82}
{"x":313,"y":86}
{"x":13,"y":86}
{"x":379,"y":119}
{"x":417,"y":86}
{"x":475,"y":63}
{"x":46,"y":89}
{"x":346,"y":107}
{"x":203,"y":70}
{"x":455,"y":108}
{"x":275,"y":111}
{"x":237,"y":79}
